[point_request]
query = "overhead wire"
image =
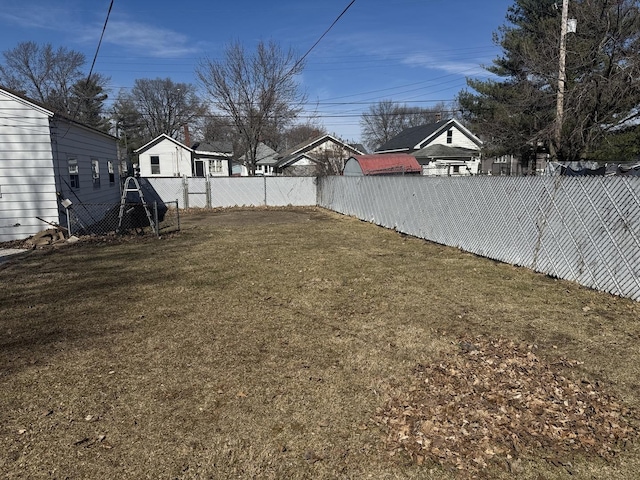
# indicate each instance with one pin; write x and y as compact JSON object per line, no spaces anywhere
{"x":301,"y":59}
{"x":93,"y":63}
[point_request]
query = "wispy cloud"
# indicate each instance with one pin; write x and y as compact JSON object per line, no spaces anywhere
{"x":150,"y":40}
{"x":134,"y":36}
{"x":400,"y":49}
{"x":431,"y":62}
{"x":34,"y":16}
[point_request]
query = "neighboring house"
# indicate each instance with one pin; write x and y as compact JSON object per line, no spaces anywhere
{"x":382,"y":164}
{"x":212,"y":159}
{"x":266,"y":159}
{"x":323,"y":155}
{"x":165,"y":156}
{"x":45,"y":159}
{"x":442,"y":148}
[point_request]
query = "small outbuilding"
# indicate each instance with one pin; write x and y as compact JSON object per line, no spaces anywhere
{"x":48,"y":162}
{"x":382,"y":164}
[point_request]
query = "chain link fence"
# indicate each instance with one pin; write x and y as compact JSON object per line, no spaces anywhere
{"x":216,"y":192}
{"x":583,"y":229}
{"x":109,"y":218}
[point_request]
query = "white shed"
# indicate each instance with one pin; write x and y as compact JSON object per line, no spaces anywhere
{"x":45,"y":158}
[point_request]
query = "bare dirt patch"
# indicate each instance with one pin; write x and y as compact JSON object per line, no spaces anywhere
{"x":297,"y":343}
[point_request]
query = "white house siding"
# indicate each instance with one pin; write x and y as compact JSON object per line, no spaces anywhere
{"x":441,"y":168}
{"x":458,"y":139}
{"x":27,"y":184}
{"x":208,"y":170}
{"x":175,"y":161}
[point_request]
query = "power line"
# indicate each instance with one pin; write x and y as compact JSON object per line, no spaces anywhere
{"x":93,"y":63}
{"x":321,"y":37}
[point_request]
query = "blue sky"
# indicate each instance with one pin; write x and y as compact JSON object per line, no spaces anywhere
{"x":410,"y":51}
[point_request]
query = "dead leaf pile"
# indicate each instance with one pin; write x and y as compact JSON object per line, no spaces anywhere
{"x":495,"y":401}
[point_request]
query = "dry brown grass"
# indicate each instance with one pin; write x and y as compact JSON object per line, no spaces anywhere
{"x":261,"y":344}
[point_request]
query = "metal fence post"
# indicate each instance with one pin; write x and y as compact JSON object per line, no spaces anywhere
{"x":185,"y":191}
{"x":68,"y":222}
{"x":178,"y":213}
{"x":207,"y":186}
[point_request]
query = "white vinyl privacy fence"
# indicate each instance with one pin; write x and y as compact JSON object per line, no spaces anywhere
{"x":584,"y":229}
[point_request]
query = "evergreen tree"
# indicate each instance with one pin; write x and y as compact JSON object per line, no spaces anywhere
{"x":87,"y":103}
{"x":515,"y":112}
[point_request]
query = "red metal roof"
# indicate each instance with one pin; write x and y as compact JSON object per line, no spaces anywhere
{"x":387,"y":163}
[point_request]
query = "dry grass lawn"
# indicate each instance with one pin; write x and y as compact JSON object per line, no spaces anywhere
{"x":269,"y":343}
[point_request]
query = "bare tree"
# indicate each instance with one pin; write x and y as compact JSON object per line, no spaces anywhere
{"x":42,"y":73}
{"x":256,"y":90}
{"x":332,"y":160}
{"x":162,"y":106}
{"x":296,"y":134}
{"x":386,"y":119}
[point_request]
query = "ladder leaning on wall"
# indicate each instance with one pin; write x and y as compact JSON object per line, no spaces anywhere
{"x":123,"y":202}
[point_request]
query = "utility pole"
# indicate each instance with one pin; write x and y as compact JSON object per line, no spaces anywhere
{"x":562,"y":77}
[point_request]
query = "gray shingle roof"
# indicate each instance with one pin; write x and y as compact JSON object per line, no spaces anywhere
{"x":217,"y":147}
{"x":409,"y":138}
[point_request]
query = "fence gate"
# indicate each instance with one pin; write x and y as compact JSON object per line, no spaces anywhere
{"x":197,"y":192}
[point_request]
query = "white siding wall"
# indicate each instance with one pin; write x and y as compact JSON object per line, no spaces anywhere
{"x":27,"y":185}
{"x":225,"y":168}
{"x":175,"y":161}
{"x":459,"y":139}
{"x":209,"y":172}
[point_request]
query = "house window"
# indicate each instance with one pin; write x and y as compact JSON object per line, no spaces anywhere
{"x":95,"y":172}
{"x":74,"y":177}
{"x":155,"y":165}
{"x":456,"y":169}
{"x":112,"y":175}
{"x":449,"y":136}
{"x":215,"y":166}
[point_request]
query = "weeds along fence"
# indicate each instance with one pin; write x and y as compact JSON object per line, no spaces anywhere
{"x":583,"y":229}
{"x":104,"y":218}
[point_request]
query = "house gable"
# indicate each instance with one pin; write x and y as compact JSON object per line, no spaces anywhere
{"x":447,"y":132}
{"x":164,"y":157}
{"x":323,"y":152}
